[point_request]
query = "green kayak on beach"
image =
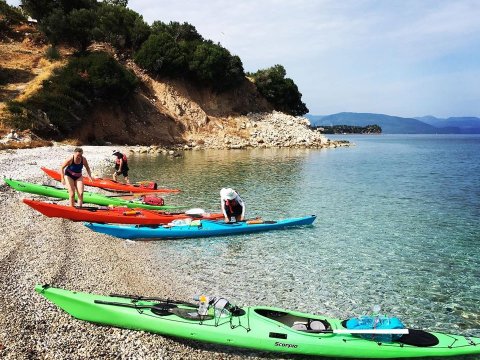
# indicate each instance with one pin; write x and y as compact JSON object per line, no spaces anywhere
{"x":88,"y":197}
{"x":262,"y":328}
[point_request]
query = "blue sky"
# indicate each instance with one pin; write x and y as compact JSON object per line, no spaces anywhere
{"x":396,"y":57}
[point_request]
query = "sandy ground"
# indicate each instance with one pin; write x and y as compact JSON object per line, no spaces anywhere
{"x":36,"y":249}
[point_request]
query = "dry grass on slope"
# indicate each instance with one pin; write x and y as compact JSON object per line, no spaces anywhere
{"x":45,"y":69}
{"x":23,"y":65}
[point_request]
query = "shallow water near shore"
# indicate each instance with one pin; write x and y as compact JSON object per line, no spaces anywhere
{"x":397,"y":226}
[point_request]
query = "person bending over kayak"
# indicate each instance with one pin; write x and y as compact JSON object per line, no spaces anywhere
{"x":121,"y":166}
{"x":232,"y":205}
{"x":72,"y":177}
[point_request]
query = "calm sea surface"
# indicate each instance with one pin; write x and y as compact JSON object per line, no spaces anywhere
{"x":398,"y":225}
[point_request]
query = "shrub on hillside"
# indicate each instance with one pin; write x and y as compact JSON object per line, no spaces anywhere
{"x":178,"y":49}
{"x":79,"y":22}
{"x":179,"y":32}
{"x":52,"y":53}
{"x":121,"y":27}
{"x":69,"y":95}
{"x":10,"y":15}
{"x":41,"y":9}
{"x":281,"y":92}
{"x":160,"y":54}
{"x":65,"y":21}
{"x":214,"y":66}
{"x":103,"y":77}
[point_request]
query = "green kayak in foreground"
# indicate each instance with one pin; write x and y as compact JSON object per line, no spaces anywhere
{"x":256,"y":327}
{"x":88,"y":197}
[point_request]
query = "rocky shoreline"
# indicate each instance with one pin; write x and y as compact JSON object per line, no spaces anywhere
{"x":268,"y":130}
{"x":36,"y":249}
{"x":255,"y":130}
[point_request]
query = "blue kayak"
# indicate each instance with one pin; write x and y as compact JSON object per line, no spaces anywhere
{"x":197,"y":228}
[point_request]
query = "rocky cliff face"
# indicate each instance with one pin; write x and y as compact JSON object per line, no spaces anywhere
{"x":165,"y":111}
{"x":175,"y":112}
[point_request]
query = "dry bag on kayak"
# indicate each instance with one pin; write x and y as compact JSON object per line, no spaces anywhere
{"x":153,"y":200}
{"x":148,"y":185}
{"x":378,"y":323}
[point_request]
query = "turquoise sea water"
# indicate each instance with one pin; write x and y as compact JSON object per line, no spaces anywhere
{"x":398,"y":225}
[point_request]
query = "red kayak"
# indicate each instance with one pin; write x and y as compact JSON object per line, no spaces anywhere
{"x":119,"y":215}
{"x":108,"y":184}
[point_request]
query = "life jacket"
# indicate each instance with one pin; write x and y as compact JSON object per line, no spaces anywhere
{"x":149,"y":185}
{"x":153,"y":200}
{"x":124,"y":158}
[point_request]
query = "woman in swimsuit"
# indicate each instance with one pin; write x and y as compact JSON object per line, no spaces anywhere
{"x":71,"y":173}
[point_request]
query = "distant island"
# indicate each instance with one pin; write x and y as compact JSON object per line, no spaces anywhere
{"x":399,"y":125}
{"x":347,"y":129}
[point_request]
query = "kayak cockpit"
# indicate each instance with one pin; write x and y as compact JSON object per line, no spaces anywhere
{"x":296,"y":322}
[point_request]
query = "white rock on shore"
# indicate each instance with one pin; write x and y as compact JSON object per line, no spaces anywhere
{"x":266,"y":130}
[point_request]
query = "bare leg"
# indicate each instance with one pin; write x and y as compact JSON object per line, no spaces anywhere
{"x":79,"y":186}
{"x":70,"y":183}
{"x":114,"y":176}
{"x":126,"y":180}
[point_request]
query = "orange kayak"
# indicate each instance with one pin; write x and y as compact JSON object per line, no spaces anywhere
{"x":109,"y":184}
{"x":119,"y":215}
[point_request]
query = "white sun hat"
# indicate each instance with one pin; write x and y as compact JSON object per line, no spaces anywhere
{"x":228,"y":193}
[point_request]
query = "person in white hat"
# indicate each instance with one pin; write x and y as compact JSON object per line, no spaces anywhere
{"x":232,"y":205}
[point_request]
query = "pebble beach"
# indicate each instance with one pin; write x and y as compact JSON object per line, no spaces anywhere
{"x":36,"y":249}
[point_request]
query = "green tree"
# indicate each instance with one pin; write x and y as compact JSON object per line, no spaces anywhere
{"x":179,"y":32}
{"x":213,"y":65}
{"x":160,"y":54}
{"x":121,"y":27}
{"x":280,"y":91}
{"x":10,"y":14}
{"x":40,"y":9}
{"x":123,"y":3}
{"x":69,"y":21}
{"x":102,"y":77}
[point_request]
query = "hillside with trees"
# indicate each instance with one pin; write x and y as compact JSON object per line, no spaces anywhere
{"x":348,"y":129}
{"x":104,"y":57}
{"x":388,"y":124}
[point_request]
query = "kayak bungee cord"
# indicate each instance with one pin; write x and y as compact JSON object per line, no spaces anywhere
{"x":161,"y":307}
{"x":240,"y":321}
